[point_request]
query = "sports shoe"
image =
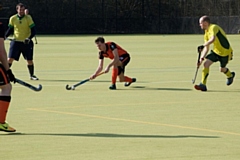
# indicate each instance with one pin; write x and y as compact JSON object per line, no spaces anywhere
{"x":113,"y":87}
{"x":230,"y":80}
{"x":129,"y":83}
{"x":33,"y":77}
{"x":201,"y":87}
{"x":6,"y":128}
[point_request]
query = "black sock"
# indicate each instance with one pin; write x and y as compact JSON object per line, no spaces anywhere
{"x":31,"y":69}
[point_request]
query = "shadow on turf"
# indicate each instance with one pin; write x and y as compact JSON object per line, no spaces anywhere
{"x":65,"y":80}
{"x":164,"y":89}
{"x":108,"y":135}
{"x":223,"y":91}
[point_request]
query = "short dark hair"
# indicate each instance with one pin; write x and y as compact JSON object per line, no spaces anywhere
{"x":20,"y":5}
{"x":100,"y":39}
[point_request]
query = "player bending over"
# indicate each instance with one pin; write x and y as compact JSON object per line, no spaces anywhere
{"x":120,"y":58}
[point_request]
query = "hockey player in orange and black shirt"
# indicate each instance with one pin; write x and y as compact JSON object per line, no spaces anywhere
{"x":120,"y":58}
{"x":5,"y":77}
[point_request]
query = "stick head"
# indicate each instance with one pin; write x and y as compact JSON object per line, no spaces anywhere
{"x":193,"y":81}
{"x":39,"y":87}
{"x":68,"y":88}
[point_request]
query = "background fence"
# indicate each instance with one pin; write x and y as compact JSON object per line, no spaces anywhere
{"x":126,"y":16}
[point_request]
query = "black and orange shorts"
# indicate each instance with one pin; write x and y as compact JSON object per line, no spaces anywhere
{"x":125,"y":59}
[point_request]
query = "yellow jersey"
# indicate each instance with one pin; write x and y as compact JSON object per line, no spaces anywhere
{"x":22,"y":26}
{"x":221,"y":46}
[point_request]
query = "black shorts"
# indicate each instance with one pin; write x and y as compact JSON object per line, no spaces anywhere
{"x":215,"y":57}
{"x":125,"y":59}
{"x":3,"y":76}
{"x":16,"y":48}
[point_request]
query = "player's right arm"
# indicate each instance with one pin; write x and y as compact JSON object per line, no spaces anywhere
{"x":99,"y":69}
{"x":204,"y":52}
{"x":203,"y":55}
{"x":32,"y":28}
{"x":209,"y":38}
{"x":9,"y":32}
{"x":10,"y":29}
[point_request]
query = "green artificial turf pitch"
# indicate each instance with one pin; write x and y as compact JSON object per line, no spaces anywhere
{"x":160,"y":117}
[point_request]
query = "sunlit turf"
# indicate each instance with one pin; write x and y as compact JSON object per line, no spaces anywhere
{"x":160,"y":116}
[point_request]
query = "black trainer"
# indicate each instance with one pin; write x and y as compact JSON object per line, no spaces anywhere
{"x":33,"y":77}
{"x":113,"y":87}
{"x":129,"y":83}
{"x":230,"y":80}
{"x":201,"y":87}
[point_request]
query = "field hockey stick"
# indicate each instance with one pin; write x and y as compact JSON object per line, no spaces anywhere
{"x":195,"y":76}
{"x":36,"y":42}
{"x":81,"y":82}
{"x":10,"y":39}
{"x":39,"y":88}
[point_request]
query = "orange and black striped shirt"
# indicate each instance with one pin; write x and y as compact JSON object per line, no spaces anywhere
{"x":110,"y":46}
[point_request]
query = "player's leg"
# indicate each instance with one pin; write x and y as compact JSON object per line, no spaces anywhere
{"x":10,"y":62}
{"x":205,"y":71}
{"x":14,"y":52}
{"x":123,"y":78}
{"x":119,"y":69}
{"x":28,"y":55}
{"x":210,"y":59}
{"x":5,"y":99}
{"x":230,"y":75}
{"x":30,"y":66}
{"x":114,"y":76}
{"x":125,"y":59}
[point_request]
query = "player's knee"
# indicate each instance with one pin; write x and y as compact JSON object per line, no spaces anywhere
{"x":121,"y":80}
{"x":10,"y":60}
{"x":6,"y":89}
{"x":222,"y":69}
{"x":30,"y":62}
{"x":207,"y":64}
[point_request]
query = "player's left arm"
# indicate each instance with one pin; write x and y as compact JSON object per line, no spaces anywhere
{"x":33,"y":32}
{"x":206,"y":47}
{"x":32,"y":28}
{"x":115,"y":60}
